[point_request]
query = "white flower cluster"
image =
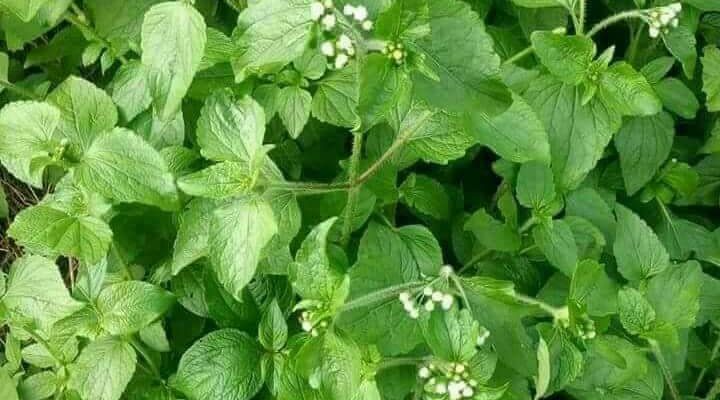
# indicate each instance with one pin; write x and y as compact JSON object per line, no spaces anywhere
{"x":338,"y":51}
{"x":395,"y":52}
{"x":324,"y":13}
{"x":359,"y":14}
{"x":451,"y":379}
{"x":661,"y":18}
{"x":428,"y":299}
{"x":307,"y":324}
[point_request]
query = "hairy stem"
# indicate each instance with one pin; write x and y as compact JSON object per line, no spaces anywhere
{"x":19,"y":90}
{"x":554,"y":311}
{"x":354,"y":190}
{"x":378,"y":296}
{"x":655,"y":349}
{"x":613,"y":19}
{"x":519,"y":55}
{"x":401,"y":361}
{"x":581,"y":18}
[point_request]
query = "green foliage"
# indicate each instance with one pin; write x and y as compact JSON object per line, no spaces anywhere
{"x":372,"y":200}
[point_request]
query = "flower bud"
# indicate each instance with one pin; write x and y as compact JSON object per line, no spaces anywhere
{"x":317,"y":10}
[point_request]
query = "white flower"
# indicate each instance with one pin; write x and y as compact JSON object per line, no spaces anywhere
{"x":666,"y":17}
{"x":446,"y":271}
{"x":654,"y":32}
{"x":317,"y":9}
{"x":328,"y":4}
{"x":440,"y":388}
{"x":459,"y":368}
{"x":468,"y":392}
{"x":328,"y":21}
{"x":397,"y":54}
{"x":344,"y":42}
{"x":360,"y":14}
{"x":408,"y":305}
{"x":328,"y":49}
{"x":674,"y":23}
{"x":314,"y":333}
{"x":677,"y":7}
{"x":428,"y":291}
{"x":424,"y":373}
{"x":437,"y":296}
{"x":348,"y":10}
{"x":414,"y":314}
{"x":404,"y":297}
{"x":447,"y":301}
{"x":429,"y":305}
{"x":307,"y":326}
{"x":367,"y":25}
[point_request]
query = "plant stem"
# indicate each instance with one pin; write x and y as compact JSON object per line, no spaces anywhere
{"x":554,"y":311}
{"x":655,"y":349}
{"x":19,"y":90}
{"x":581,"y":18}
{"x":703,"y":372}
{"x":518,"y":56}
{"x":613,"y":19}
{"x":400,"y":361}
{"x":150,"y":362}
{"x":714,"y":391}
{"x":527,"y":225}
{"x":354,"y":191}
{"x":378,"y":296}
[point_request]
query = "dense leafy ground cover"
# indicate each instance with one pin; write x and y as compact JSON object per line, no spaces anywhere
{"x":388,"y":199}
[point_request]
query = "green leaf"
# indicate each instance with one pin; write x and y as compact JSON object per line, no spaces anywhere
{"x":492,"y":233}
{"x":464,"y":61}
{"x":564,"y":359}
{"x":593,"y":289}
{"x":566,"y":57}
{"x":229,"y":129}
{"x":538,"y":3}
{"x":125,"y":308}
{"x":426,"y":195}
{"x":655,"y":70}
{"x":51,"y":232}
{"x":578,"y":133}
{"x":677,"y":97}
{"x":627,"y":91}
{"x":23,"y":9}
{"x":209,"y":369}
{"x":130,"y":90}
{"x":85,"y":112}
{"x":119,"y":21}
{"x":122,"y":166}
{"x":155,"y":337}
{"x":7,"y":386}
{"x":218,"y":49}
{"x":234,"y":254}
{"x":218,"y":181}
{"x":38,"y":386}
{"x":681,"y":42}
{"x":294,"y":109}
{"x":35,"y":291}
{"x":383,"y":85}
{"x":314,"y":276}
{"x":643,"y":144}
{"x":517,"y":134}
{"x":451,"y":335}
{"x":636,"y":314}
{"x":711,"y":77}
{"x":675,"y":294}
{"x":404,"y":20}
{"x":273,"y":330}
{"x":556,"y":241}
{"x":173,"y":44}
{"x":336,"y":99}
{"x":340,"y":366}
{"x":191,"y":242}
{"x":388,"y":257}
{"x":269,"y":35}
{"x":535,"y":187}
{"x":638,"y":251}
{"x":103,"y":369}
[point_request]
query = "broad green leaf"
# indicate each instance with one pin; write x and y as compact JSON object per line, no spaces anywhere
{"x":492,"y":233}
{"x":542,"y":381}
{"x":593,"y":289}
{"x":677,"y":97}
{"x":294,"y":109}
{"x":711,"y":77}
{"x":103,"y":369}
{"x":270,"y":34}
{"x":119,"y":21}
{"x":41,"y":385}
{"x":643,"y":144}
{"x":218,"y":181}
{"x":681,"y":42}
{"x":229,"y":129}
{"x":49,"y":231}
{"x":566,"y":57}
{"x":517,"y":134}
{"x":23,"y":9}
{"x":451,"y":335}
{"x":389,"y":257}
{"x":224,"y":364}
{"x":590,"y":205}
{"x":627,"y":91}
{"x":312,"y":64}
{"x":234,"y":253}
{"x":675,"y":294}
{"x":173,"y":44}
{"x":404,"y":20}
{"x":313,"y":274}
{"x":535,"y":187}
{"x":340,"y":366}
{"x":155,"y":337}
{"x":636,"y":314}
{"x":425,"y":195}
{"x":556,"y":241}
{"x":273,"y":330}
{"x":655,"y":70}
{"x":638,"y":251}
{"x":127,"y":307}
{"x":336,"y":99}
{"x":382,"y":86}
{"x":86,"y":112}
{"x":191,"y":242}
{"x":218,"y":49}
{"x":8,"y":388}
{"x":130,"y":90}
{"x":578,"y":133}
{"x":463,"y":59}
{"x":28,"y":130}
{"x":35,"y":291}
{"x":565,"y":360}
{"x":122,"y":166}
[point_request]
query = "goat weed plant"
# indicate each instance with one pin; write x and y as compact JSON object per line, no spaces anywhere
{"x":359,"y":199}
